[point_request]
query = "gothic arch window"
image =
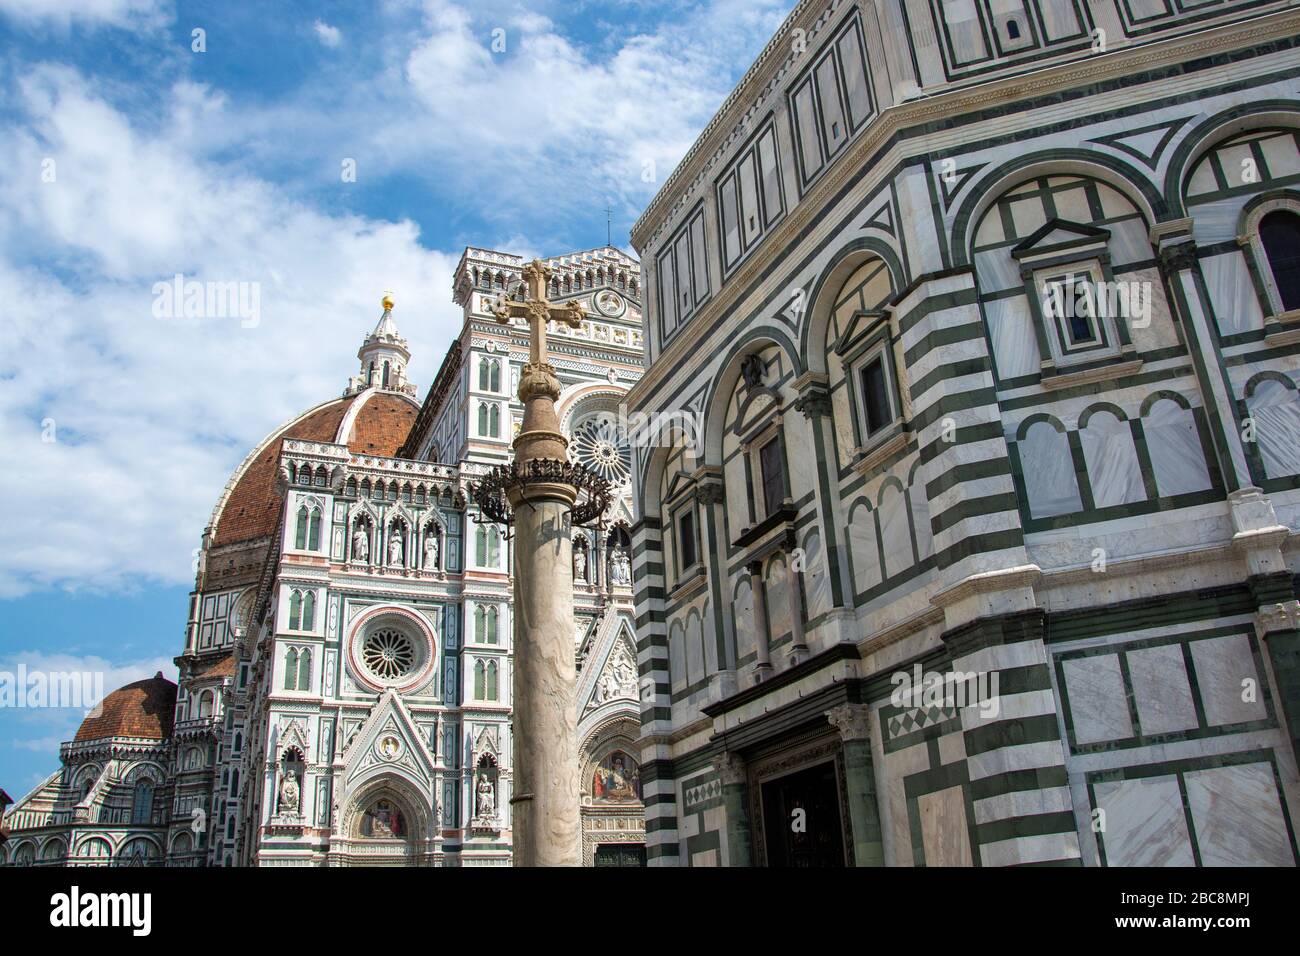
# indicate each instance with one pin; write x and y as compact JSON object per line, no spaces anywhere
{"x":234,"y":782}
{"x":291,"y":669}
{"x":142,"y":802}
{"x":492,"y":680}
{"x":482,"y":418}
{"x":490,"y":625}
{"x":385,"y":375}
{"x":307,"y":532}
{"x":480,"y":682}
{"x":304,"y":669}
{"x":206,"y":702}
{"x":487,"y":546}
{"x":494,"y":421}
{"x":1279,"y":233}
{"x":302,"y":610}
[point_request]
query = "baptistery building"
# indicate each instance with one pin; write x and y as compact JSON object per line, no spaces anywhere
{"x":344,"y":691}
{"x":968,"y":482}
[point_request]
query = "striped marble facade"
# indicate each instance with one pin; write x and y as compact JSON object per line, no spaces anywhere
{"x":854,"y":262}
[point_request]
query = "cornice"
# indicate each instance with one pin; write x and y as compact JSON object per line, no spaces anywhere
{"x":790,"y":232}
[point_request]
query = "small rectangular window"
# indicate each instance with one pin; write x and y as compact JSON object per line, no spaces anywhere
{"x":828,"y":90}
{"x":805,"y":114}
{"x":667,"y":290}
{"x":875,"y":395}
{"x":686,"y":539}
{"x":773,"y":202}
{"x":769,"y":459}
{"x":730,"y":220}
{"x":699,"y":258}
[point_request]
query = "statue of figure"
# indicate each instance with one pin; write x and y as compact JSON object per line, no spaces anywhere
{"x":579,"y":564}
{"x":624,"y":567}
{"x":431,"y":550}
{"x":360,"y":545}
{"x":618,"y":566}
{"x":485,"y":804}
{"x":395,"y":549}
{"x":289,"y":794}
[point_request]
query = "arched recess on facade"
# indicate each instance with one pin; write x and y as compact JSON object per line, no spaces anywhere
{"x":1124,"y":177}
{"x":370,"y":805}
{"x":617,"y":733}
{"x":1209,"y":132}
{"x":724,"y":384}
{"x":822,"y":298}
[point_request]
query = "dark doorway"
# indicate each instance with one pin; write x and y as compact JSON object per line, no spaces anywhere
{"x":620,"y":854}
{"x":813,"y":837}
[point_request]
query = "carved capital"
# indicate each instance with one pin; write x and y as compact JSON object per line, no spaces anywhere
{"x":538,"y":381}
{"x":1177,"y":257}
{"x":731,"y":770}
{"x":853,"y":721}
{"x":815,"y":402}
{"x":1279,"y":617}
{"x":711,"y":493}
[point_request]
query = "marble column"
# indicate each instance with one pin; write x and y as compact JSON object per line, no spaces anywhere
{"x":853,"y":721}
{"x":1180,"y":267}
{"x":545,"y":807}
{"x":1279,"y":629}
{"x":798,"y":643}
{"x":758,"y":589}
{"x":731,"y":771}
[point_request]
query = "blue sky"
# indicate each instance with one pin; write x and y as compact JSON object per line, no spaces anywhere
{"x":131,"y":157}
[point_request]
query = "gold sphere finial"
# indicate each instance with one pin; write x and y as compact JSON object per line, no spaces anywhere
{"x":387,"y":300}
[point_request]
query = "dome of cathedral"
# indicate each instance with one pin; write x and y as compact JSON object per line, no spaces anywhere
{"x":143,"y":709}
{"x":373,"y":422}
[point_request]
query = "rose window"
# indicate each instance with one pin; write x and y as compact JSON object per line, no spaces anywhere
{"x":388,"y":653}
{"x":599,"y":445}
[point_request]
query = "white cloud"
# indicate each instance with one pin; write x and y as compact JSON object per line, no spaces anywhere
{"x":115,"y":13}
{"x":328,"y":35}
{"x":150,"y":415}
{"x":546,"y":120}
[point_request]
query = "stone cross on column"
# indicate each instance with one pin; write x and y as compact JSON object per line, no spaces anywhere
{"x":546,"y":826}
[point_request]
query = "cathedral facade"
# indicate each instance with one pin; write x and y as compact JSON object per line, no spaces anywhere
{"x":968,"y":487}
{"x":344,"y":693}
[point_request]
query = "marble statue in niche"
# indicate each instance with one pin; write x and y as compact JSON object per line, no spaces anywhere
{"x":290,"y":793}
{"x":485,"y":804}
{"x":360,"y":545}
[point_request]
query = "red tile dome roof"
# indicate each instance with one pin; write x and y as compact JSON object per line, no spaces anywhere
{"x":250,"y":507}
{"x":145,"y":709}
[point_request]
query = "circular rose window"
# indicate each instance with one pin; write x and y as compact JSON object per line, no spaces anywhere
{"x":388,"y":654}
{"x":599,"y":444}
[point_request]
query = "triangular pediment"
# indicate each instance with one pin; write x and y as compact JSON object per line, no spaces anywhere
{"x":389,"y":739}
{"x":611,"y":676}
{"x":1058,"y":235}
